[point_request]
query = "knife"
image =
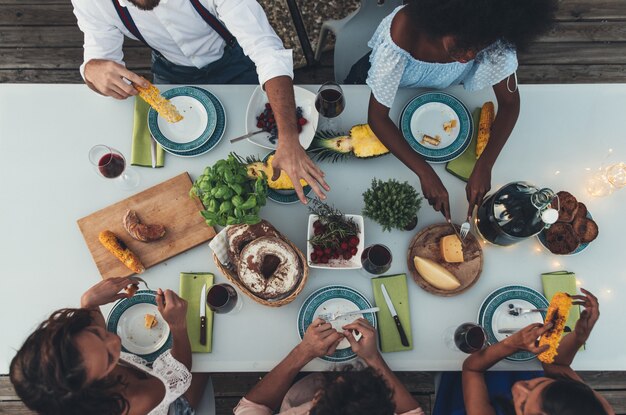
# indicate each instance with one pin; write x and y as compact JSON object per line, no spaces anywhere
{"x":203,"y":316}
{"x":392,"y":310}
{"x":456,"y":232}
{"x":153,"y":151}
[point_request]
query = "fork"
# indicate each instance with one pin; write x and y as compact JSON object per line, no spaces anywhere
{"x":465,"y":228}
{"x":142,"y":280}
{"x":337,"y":314}
{"x":518,"y":311}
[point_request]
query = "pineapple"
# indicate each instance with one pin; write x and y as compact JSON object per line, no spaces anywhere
{"x":361,"y":142}
{"x":257,"y":168}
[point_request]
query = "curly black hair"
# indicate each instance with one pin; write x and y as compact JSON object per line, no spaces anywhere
{"x":49,"y":376}
{"x":475,"y":24}
{"x":354,"y":392}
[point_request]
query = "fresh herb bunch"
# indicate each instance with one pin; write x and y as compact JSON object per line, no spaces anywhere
{"x":392,"y":204}
{"x":334,"y":235}
{"x":229,"y":196}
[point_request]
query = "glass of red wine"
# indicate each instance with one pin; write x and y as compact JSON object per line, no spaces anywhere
{"x":111,"y":164}
{"x":376,"y":259}
{"x":470,"y":338}
{"x":330,"y":103}
{"x":223,"y":298}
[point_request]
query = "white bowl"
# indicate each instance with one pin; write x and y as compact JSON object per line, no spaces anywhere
{"x":304,"y":99}
{"x":340,"y":263}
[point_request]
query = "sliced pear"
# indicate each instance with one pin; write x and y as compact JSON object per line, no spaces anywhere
{"x":435,"y":274}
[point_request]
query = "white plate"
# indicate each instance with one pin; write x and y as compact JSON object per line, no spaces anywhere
{"x":304,"y":99}
{"x":503,"y":320}
{"x":429,"y":119}
{"x":138,"y":339}
{"x":191,"y":126}
{"x":340,"y":305}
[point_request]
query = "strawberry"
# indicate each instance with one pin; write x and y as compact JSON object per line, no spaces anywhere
{"x":354,"y":241}
{"x":344,"y":246}
{"x":302,"y":121}
{"x":354,"y":250}
{"x":327,"y":251}
{"x":347,"y":255}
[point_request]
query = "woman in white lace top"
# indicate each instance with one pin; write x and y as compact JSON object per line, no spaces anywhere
{"x":72,"y":365}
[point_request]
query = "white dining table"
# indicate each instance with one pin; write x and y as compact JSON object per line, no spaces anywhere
{"x":563,"y":135}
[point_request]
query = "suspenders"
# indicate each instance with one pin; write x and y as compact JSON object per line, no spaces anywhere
{"x":206,"y":15}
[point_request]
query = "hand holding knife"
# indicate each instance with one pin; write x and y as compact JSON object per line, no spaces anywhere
{"x":203,"y":316}
{"x":403,"y":339}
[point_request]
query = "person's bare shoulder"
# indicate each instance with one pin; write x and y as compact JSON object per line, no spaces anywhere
{"x":402,"y":30}
{"x":144,"y":395}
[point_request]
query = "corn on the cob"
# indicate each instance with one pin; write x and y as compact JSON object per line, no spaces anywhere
{"x":487,"y":115}
{"x":557,"y":315}
{"x":115,"y":246}
{"x":163,"y":106}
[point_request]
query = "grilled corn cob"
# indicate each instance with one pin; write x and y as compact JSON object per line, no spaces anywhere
{"x":163,"y":106}
{"x":487,"y":115}
{"x":557,"y":315}
{"x":118,"y":248}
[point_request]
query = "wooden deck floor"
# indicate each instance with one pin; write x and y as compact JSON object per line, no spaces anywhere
{"x":230,"y":387}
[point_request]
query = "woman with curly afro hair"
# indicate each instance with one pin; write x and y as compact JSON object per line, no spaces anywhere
{"x":440,"y":43}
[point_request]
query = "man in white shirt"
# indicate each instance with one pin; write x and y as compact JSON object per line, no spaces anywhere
{"x":198,"y":42}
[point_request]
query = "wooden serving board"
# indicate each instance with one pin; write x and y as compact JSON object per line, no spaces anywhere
{"x":168,"y":204}
{"x":426,"y":245}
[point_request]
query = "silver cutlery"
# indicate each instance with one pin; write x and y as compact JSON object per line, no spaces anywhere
{"x":518,"y":311}
{"x":203,"y":315}
{"x":141,"y":280}
{"x":337,"y":314}
{"x":465,"y":228}
{"x":456,"y":232}
{"x":153,"y":151}
{"x":243,"y":137}
{"x":508,"y":331}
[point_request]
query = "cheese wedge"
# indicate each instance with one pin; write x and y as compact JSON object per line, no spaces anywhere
{"x":150,"y":321}
{"x":435,"y":274}
{"x":451,"y":248}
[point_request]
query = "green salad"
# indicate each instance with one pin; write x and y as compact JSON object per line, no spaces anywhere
{"x":229,"y":196}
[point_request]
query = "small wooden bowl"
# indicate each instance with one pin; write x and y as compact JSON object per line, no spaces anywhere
{"x":426,"y":245}
{"x":234,"y":278}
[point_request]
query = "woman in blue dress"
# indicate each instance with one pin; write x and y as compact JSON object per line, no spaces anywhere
{"x":440,"y":43}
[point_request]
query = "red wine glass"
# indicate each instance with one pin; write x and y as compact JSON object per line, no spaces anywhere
{"x":376,"y":259}
{"x":223,"y":298}
{"x":330,"y":103}
{"x":111,"y":164}
{"x":470,"y":338}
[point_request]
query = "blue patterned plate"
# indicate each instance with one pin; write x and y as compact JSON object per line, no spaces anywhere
{"x":542,"y":239}
{"x":426,"y":114}
{"x":217,"y":135}
{"x":285,"y":197}
{"x":126,"y":319}
{"x":331,"y":299}
{"x":197,"y":126}
{"x":493,"y":314}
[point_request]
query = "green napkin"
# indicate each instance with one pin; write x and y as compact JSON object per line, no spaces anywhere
{"x":190,"y":288}
{"x":463,"y":165}
{"x":397,"y":289}
{"x":562,"y":281}
{"x":140,"y":154}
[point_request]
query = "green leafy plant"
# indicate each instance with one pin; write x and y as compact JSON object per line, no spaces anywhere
{"x":392,"y":204}
{"x":229,"y":196}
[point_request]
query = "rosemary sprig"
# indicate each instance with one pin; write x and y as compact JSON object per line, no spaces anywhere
{"x":337,"y":226}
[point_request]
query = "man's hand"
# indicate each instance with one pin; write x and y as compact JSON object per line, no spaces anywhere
{"x":366,"y":348}
{"x":320,"y":339}
{"x":478,"y":185}
{"x":106,"y":291}
{"x":588,"y":316}
{"x":172,"y":308}
{"x":527,"y":338}
{"x":109,"y":78}
{"x":435,"y":192}
{"x":291,"y":157}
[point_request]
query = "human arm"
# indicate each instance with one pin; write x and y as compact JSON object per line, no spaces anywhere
{"x":174,"y":312}
{"x":479,"y":182}
{"x":366,"y":348}
{"x":387,"y":132}
{"x":290,"y":156}
{"x":319,"y":339}
{"x":103,"y":67}
{"x":475,"y":394}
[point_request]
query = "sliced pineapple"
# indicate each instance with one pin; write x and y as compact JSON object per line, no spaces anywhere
{"x":257,"y":168}
{"x":361,"y":142}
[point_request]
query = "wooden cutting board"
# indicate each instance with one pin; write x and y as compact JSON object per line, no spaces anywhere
{"x":168,"y":204}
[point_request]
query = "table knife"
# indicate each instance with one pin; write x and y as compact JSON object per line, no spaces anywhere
{"x":153,"y":151}
{"x":203,"y":316}
{"x":456,"y":232}
{"x":392,"y":310}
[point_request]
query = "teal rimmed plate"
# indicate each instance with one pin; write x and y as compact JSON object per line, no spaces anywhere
{"x":330,"y":299}
{"x":493,"y":314}
{"x":286,"y":197}
{"x":542,"y":239}
{"x":426,"y":114}
{"x":197,"y":126}
{"x":126,"y":319}
{"x":217,"y":135}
